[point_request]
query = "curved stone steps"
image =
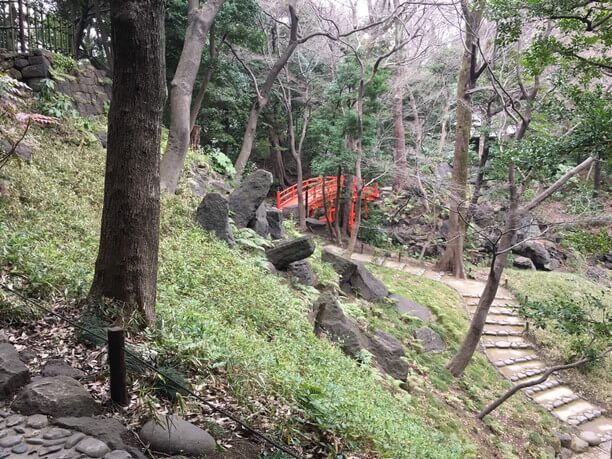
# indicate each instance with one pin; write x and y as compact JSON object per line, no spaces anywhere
{"x":515,"y":360}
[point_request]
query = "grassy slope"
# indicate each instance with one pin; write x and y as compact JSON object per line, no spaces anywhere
{"x":546,"y":287}
{"x":516,"y":429}
{"x":215,"y":305}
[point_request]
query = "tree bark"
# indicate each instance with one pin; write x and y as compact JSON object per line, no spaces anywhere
{"x":208,"y":73}
{"x":597,"y":179}
{"x":460,"y":361}
{"x":399,"y":137}
{"x":126,"y":267}
{"x":452,"y":258}
{"x":199,"y":21}
{"x":263,"y":96}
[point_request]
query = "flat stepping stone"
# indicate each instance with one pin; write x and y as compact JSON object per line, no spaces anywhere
{"x":601,"y":426}
{"x":512,"y":319}
{"x":494,"y":310}
{"x":527,"y":368}
{"x":527,"y":373}
{"x":575,"y":413}
{"x":505,"y":321}
{"x":503,"y":303}
{"x":502,"y":333}
{"x":547,"y":395}
{"x":559,"y":402}
{"x":507,"y":345}
{"x":515,"y":360}
{"x":494,"y":354}
{"x":548,"y":384}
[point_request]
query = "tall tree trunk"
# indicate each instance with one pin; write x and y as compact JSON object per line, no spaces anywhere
{"x":452,"y":258}
{"x":199,"y":21}
{"x":483,"y":157}
{"x":208,"y":73}
{"x":263,"y":95}
{"x":126,"y":267}
{"x":399,"y":137}
{"x":277,"y":157}
{"x":358,"y":143}
{"x":460,"y":361}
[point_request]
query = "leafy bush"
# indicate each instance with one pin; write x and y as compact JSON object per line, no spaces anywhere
{"x":587,"y":242}
{"x":64,"y":64}
{"x":53,"y":103}
{"x":220,"y":163}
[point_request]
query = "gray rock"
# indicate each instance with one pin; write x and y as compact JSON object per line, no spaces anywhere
{"x":578,"y":445}
{"x":174,"y":435}
{"x":55,"y":396}
{"x":566,"y":453}
{"x":10,"y":441}
{"x":57,"y":367}
{"x":285,"y":253}
{"x":14,"y":73}
{"x":537,"y":253}
{"x":331,"y":321}
{"x":213,"y":216}
{"x":13,"y":373}
{"x":528,"y":228}
{"x":21,"y":63}
{"x":55,"y":433}
{"x":355,"y":278}
{"x":103,"y":138}
{"x":388,"y":353}
{"x":14,"y":420}
{"x":259,"y":223}
{"x":36,"y":83}
{"x":118,"y":454}
{"x":483,"y":214}
{"x":343,"y":266}
{"x":37,"y":421}
{"x":244,"y":201}
{"x":523,"y":263}
{"x":412,"y":309}
{"x":590,"y":437}
{"x":368,"y":286}
{"x":92,"y":447}
{"x":35,"y":71}
{"x":21,"y":448}
{"x":429,"y":339}
{"x":108,"y":430}
{"x":73,"y":440}
{"x":303,"y":272}
{"x":275,"y":223}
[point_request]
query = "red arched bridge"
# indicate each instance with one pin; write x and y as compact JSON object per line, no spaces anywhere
{"x":320,"y":193}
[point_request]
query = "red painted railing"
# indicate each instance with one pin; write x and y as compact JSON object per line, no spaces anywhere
{"x":313,"y":192}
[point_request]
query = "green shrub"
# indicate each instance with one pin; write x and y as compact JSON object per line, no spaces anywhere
{"x":587,"y":242}
{"x":64,"y":64}
{"x":53,"y":103}
{"x":220,"y":163}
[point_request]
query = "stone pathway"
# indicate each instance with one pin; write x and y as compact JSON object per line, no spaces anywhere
{"x":516,"y":359}
{"x":33,"y":436}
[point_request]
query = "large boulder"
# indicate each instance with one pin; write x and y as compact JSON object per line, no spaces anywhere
{"x":303,"y":272}
{"x":173,"y":435}
{"x":429,"y":339}
{"x":411,"y":308}
{"x":528,"y":228}
{"x":331,"y":321}
{"x":244,"y":200}
{"x":56,"y":396}
{"x":57,"y":367}
{"x":213,"y":216}
{"x":343,"y":266}
{"x":366,"y":285}
{"x":285,"y":253}
{"x":13,"y":373}
{"x":275,"y":223}
{"x":523,"y":263}
{"x":537,"y":252}
{"x":109,"y":430}
{"x":388,"y":353}
{"x":355,"y":278}
{"x":259,"y":223}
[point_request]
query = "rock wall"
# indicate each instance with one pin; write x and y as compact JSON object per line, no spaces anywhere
{"x":88,"y":87}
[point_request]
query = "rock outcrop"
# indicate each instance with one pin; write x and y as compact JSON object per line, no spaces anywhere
{"x":285,"y":253}
{"x":355,"y":278}
{"x":173,"y":435}
{"x":213,"y":216}
{"x":275,"y":223}
{"x":246,"y":199}
{"x":411,"y":308}
{"x":303,"y":272}
{"x":429,"y":340}
{"x":13,"y":373}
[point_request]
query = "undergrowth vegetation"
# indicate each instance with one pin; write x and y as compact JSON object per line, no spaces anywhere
{"x":581,"y":297}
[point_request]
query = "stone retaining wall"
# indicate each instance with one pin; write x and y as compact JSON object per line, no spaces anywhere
{"x":88,"y":87}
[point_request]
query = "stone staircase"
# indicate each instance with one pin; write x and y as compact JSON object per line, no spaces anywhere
{"x":516,"y":358}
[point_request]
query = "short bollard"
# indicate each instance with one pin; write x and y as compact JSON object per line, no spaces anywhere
{"x":116,"y":363}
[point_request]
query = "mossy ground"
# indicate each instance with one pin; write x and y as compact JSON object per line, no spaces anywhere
{"x":226,"y":319}
{"x":595,"y":383}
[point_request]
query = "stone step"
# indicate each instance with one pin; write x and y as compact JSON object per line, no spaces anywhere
{"x":514,"y":360}
{"x":554,"y":393}
{"x":499,"y":303}
{"x":521,"y":367}
{"x":505,"y":321}
{"x":509,"y":319}
{"x":577,"y":412}
{"x":493,"y":332}
{"x":494,"y":354}
{"x":559,"y":402}
{"x":494,"y":310}
{"x":601,"y":426}
{"x":546,"y":385}
{"x":528,"y":373}
{"x":504,"y":328}
{"x":498,"y":297}
{"x":502,"y":344}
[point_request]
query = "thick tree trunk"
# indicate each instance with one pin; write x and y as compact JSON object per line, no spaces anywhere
{"x":460,"y":361}
{"x":483,"y":157}
{"x":597,"y":179}
{"x":181,"y":88}
{"x":399,"y":137}
{"x":263,"y":96}
{"x":126,"y":267}
{"x":277,"y":157}
{"x":208,"y":73}
{"x":452,"y":258}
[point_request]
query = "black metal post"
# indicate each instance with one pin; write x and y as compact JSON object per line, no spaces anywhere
{"x":116,"y":363}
